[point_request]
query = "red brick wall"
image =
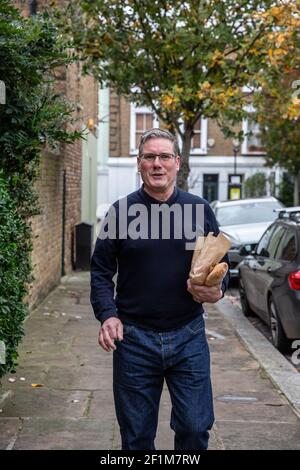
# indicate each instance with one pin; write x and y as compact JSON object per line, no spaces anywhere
{"x":48,"y":226}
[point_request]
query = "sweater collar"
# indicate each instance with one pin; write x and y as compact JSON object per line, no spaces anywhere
{"x":146,"y":197}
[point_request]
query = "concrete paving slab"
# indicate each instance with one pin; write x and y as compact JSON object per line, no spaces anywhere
{"x":240,"y":435}
{"x":65,"y":434}
{"x":45,"y":402}
{"x":9,"y":431}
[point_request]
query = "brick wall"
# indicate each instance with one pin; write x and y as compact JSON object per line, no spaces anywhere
{"x":48,"y":226}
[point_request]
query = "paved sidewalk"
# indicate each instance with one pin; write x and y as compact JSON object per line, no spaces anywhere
{"x":73,"y":407}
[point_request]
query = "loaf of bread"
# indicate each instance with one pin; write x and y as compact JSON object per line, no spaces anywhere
{"x":216,"y":275}
{"x":206,"y":268}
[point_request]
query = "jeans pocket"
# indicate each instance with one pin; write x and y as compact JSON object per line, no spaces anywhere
{"x":196,"y":326}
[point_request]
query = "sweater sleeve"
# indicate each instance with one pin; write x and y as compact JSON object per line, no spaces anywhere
{"x":103,"y":269}
{"x":211,"y":225}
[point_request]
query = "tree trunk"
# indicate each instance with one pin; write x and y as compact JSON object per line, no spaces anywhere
{"x":183,"y":173}
{"x":296,"y":188}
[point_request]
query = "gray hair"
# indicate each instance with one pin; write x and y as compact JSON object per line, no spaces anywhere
{"x":157,"y":133}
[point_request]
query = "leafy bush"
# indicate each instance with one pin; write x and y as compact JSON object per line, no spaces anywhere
{"x":15,"y":246}
{"x":33,"y":115}
{"x":255,"y":185}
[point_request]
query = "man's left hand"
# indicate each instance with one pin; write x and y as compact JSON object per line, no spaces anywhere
{"x":204,"y":293}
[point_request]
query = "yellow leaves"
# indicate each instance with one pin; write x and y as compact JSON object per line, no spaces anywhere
{"x":178,"y":89}
{"x":167,"y":101}
{"x":275,"y":12}
{"x":216,"y":58}
{"x":254,"y":51}
{"x":188,"y":115}
{"x":293,"y":111}
{"x":280,"y":39}
{"x":170,"y":100}
{"x":204,"y":91}
{"x":206,"y":86}
{"x":275,"y":55}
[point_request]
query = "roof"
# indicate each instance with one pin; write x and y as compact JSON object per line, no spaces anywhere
{"x":289,"y":214}
{"x":245,"y":201}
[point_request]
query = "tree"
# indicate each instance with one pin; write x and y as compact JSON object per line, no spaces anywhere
{"x":182,"y":59}
{"x":277,"y":100}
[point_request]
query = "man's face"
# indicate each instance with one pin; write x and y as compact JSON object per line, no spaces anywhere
{"x":159,"y":175}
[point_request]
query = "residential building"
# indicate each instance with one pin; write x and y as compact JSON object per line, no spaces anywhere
{"x":214,"y":167}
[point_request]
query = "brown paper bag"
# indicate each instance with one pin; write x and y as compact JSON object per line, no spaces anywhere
{"x":208,"y":252}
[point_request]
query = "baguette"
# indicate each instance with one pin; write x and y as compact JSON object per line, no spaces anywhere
{"x":216,"y":275}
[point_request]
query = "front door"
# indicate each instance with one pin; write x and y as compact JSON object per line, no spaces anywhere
{"x":210,"y":187}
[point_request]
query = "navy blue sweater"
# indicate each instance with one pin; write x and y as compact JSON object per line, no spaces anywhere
{"x":152,"y":273}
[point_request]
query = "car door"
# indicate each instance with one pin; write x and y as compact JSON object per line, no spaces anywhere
{"x":267,"y":270}
{"x":282,"y":294}
{"x":251,"y":265}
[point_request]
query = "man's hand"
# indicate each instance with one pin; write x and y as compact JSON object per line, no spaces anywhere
{"x":111,"y":329}
{"x":204,"y":293}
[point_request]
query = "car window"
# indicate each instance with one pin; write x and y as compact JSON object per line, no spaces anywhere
{"x":275,"y":238}
{"x":247,"y":213}
{"x":261,"y":249}
{"x":287,"y":248}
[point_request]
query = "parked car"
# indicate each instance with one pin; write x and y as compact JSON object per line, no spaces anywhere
{"x":269,"y":278}
{"x":244,"y":221}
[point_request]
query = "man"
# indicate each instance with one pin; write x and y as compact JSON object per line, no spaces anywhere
{"x":155,"y":325}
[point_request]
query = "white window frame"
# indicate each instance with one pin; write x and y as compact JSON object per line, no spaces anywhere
{"x":245,"y":127}
{"x":145,"y":110}
{"x":203,"y":149}
{"x":133,"y":111}
{"x":203,"y":141}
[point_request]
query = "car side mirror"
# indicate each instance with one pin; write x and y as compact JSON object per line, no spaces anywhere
{"x":246,"y":250}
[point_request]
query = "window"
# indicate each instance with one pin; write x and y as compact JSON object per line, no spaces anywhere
{"x":141,"y":119}
{"x":253,"y":140}
{"x":287,"y":248}
{"x":196,"y":140}
{"x":199,"y":140}
{"x":210,"y":187}
{"x":247,"y":213}
{"x":274,"y":241}
{"x":261,"y":249}
{"x":252,"y":143}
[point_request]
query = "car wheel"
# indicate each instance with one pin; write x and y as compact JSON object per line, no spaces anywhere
{"x":247,"y":311}
{"x":279,"y":338}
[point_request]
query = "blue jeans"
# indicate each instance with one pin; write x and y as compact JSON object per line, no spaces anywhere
{"x":141,"y":362}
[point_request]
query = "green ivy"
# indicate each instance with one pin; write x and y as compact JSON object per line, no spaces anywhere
{"x":15,"y":246}
{"x":34,"y":114}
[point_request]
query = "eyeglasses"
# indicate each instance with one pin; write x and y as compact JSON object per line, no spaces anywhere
{"x":163,"y":157}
